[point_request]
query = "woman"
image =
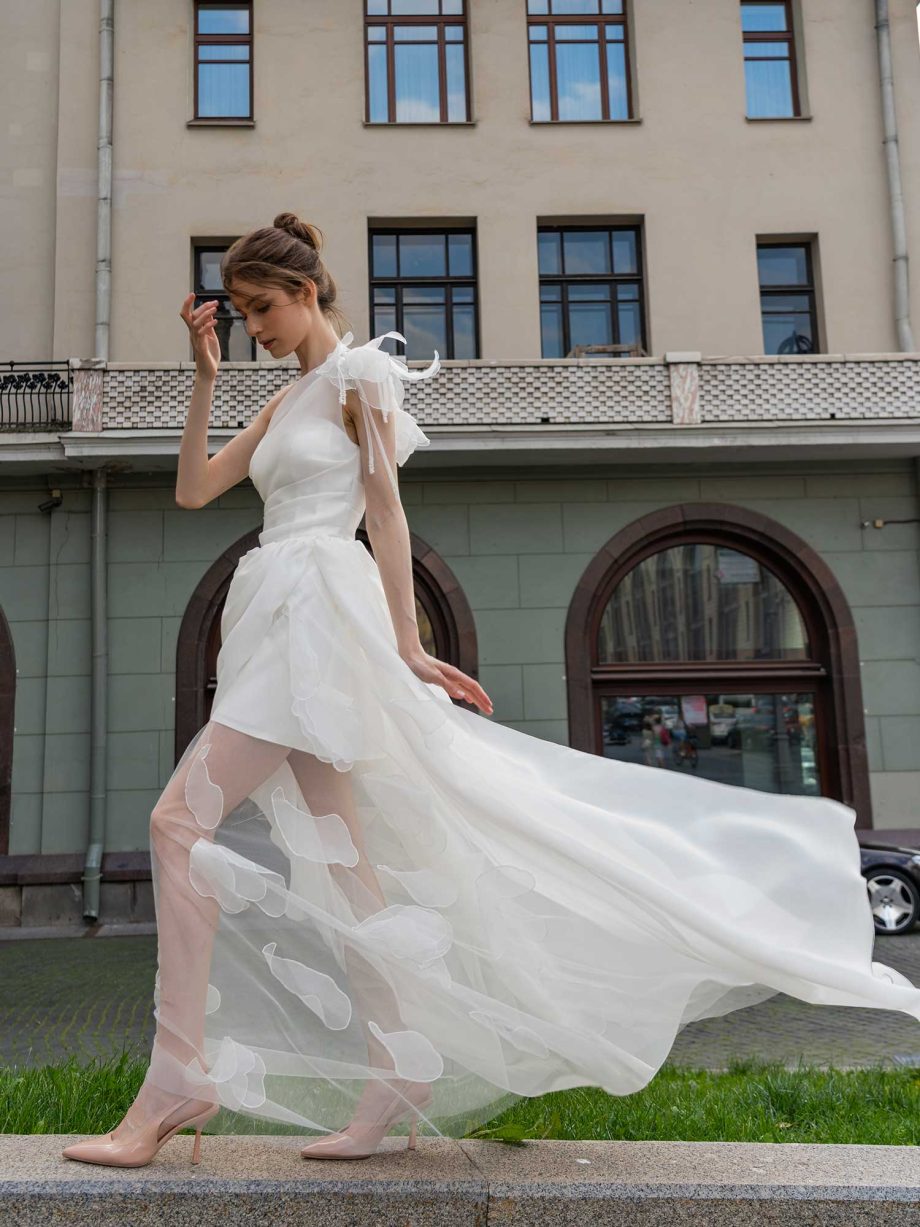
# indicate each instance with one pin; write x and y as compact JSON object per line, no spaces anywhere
{"x":374,"y":905}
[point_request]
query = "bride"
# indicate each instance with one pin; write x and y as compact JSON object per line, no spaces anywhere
{"x":376,"y":906}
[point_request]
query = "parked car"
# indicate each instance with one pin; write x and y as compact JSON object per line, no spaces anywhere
{"x":892,"y":874}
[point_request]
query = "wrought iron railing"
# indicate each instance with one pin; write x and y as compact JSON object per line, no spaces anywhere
{"x":35,"y":395}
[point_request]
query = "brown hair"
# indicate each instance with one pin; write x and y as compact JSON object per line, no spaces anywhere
{"x":284,"y":254}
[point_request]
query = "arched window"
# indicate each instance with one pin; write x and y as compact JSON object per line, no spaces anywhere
{"x":709,"y":639}
{"x":445,"y":623}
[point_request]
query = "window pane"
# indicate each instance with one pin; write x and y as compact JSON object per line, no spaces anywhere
{"x":226,"y":51}
{"x":612,"y":6}
{"x":586,"y":251}
{"x":452,"y":8}
{"x":385,"y":321}
{"x":624,"y":252}
{"x":549,"y":253}
{"x":578,"y":81}
{"x":630,"y":323}
{"x":787,"y":332}
{"x":414,"y":8}
{"x":384,"y":294}
{"x":383,"y":255}
{"x":564,"y":8}
{"x":376,"y":8}
{"x":756,"y":17}
{"x":415,"y":34}
{"x":575,"y":33}
{"x":377,"y":84}
{"x":550,"y":293}
{"x":770,"y":51}
{"x":223,"y":89}
{"x":616,"y":81}
{"x":223,"y":21}
{"x":539,"y":81}
{"x":551,"y":330}
{"x":417,"y":98}
{"x":463,"y":293}
{"x":456,"y":82}
{"x":701,"y":602}
{"x":453,"y":34}
{"x":422,"y":255}
{"x":208,"y":267}
{"x":763,"y":741}
{"x":538,"y":34}
{"x":782,"y":266}
{"x":376,"y":34}
{"x":423,"y":294}
{"x":460,"y":248}
{"x":464,"y":332}
{"x":590,"y":323}
{"x":769,"y":88}
{"x":538,"y":8}
{"x":425,"y":329}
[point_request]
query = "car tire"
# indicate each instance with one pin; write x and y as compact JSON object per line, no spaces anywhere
{"x":894,"y":900}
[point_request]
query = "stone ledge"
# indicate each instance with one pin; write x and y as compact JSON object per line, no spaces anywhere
{"x":730,"y":1184}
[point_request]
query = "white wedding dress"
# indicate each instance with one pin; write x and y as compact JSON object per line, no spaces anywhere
{"x":357,"y":879}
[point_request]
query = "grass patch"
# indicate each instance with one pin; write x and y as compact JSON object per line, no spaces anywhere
{"x":751,"y":1101}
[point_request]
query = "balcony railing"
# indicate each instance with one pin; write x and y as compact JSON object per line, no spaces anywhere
{"x":35,"y":396}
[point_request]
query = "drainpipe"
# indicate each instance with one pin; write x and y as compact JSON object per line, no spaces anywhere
{"x":896,"y":199}
{"x":92,"y":866}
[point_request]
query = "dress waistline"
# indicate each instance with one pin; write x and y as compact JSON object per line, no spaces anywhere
{"x":294,"y":532}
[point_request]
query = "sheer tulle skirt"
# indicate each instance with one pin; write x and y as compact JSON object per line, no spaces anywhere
{"x":357,"y":880}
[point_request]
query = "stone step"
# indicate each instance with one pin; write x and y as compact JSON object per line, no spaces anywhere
{"x":262,"y":1179}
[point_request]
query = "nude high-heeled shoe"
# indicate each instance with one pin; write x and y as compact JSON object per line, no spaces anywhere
{"x":146,"y":1140}
{"x":376,"y":1115}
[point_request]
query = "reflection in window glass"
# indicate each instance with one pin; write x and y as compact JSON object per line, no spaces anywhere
{"x":700,"y":602}
{"x":427,"y":62}
{"x":763,"y":741}
{"x":787,"y":298}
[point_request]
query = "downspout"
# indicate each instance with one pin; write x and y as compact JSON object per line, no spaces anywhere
{"x":92,"y":866}
{"x":896,"y":199}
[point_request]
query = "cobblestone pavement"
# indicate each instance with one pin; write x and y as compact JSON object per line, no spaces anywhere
{"x":94,"y":997}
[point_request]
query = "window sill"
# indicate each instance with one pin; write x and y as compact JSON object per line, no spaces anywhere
{"x":548,"y":123}
{"x":776,"y":119}
{"x":220,"y":123}
{"x":419,"y":123}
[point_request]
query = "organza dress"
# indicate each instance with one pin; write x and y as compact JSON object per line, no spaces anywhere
{"x":357,"y":879}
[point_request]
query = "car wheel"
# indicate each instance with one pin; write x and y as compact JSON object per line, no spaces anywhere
{"x":894,"y":900}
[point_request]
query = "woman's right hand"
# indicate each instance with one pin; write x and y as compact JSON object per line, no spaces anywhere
{"x":200,"y":323}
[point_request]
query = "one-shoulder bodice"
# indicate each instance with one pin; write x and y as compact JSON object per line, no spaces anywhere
{"x":306,"y":467}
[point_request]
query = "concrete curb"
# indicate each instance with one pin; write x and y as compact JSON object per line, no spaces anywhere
{"x":263,"y":1179}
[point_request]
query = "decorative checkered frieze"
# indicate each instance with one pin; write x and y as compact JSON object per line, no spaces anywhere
{"x":680,"y":390}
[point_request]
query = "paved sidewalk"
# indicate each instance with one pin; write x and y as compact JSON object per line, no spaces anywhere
{"x":93,"y":996}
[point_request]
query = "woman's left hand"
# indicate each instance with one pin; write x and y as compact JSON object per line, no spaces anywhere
{"x":458,"y":684}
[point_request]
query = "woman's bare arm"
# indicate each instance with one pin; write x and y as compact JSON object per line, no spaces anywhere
{"x":388,"y":532}
{"x":200,"y":479}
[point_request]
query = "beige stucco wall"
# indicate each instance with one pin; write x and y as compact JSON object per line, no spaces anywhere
{"x":704,"y":179}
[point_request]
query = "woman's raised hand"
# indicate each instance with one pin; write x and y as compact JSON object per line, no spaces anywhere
{"x":204,"y":339}
{"x":458,"y":684}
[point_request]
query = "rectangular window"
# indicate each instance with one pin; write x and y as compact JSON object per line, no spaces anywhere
{"x":223,"y":60}
{"x":787,"y":298}
{"x":235,"y":343}
{"x":423,"y":285}
{"x":579,"y":69}
{"x":769,"y":59}
{"x":417,"y":61}
{"x":591,"y":291}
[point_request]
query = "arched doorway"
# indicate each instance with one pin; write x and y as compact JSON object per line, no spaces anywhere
{"x":733,"y":631}
{"x":444,"y":617}
{"x":7,"y":704}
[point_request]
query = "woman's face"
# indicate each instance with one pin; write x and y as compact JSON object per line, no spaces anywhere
{"x":277,"y":321}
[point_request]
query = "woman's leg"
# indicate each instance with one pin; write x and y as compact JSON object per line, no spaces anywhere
{"x":328,"y":791}
{"x":224,"y":767}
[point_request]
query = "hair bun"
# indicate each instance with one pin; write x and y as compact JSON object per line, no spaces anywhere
{"x":291,"y":224}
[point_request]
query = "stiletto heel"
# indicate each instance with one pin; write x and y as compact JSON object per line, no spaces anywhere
{"x":196,"y":1149}
{"x":411,"y":1145}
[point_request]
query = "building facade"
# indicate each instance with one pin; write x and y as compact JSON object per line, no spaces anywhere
{"x":674,"y":444}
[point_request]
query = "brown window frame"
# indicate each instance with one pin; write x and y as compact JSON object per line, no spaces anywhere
{"x":565,"y":279}
{"x":832,"y":672}
{"x":441,"y":21}
{"x":224,"y":40}
{"x":808,"y":288}
{"x":449,"y":283}
{"x":551,"y":20}
{"x":770,"y":36}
